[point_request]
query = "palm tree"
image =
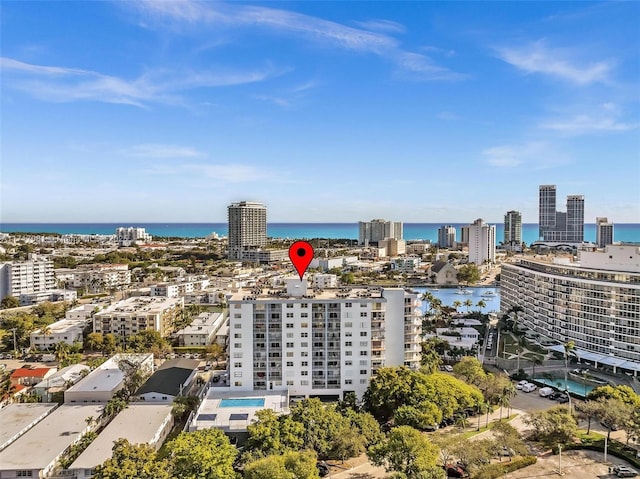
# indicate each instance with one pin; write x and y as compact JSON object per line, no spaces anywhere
{"x":515,"y":310}
{"x":457,"y":304}
{"x":468,"y":303}
{"x":46,"y":331}
{"x":569,"y":347}
{"x":62,"y":351}
{"x":536,"y":361}
{"x":481,"y":304}
{"x":504,"y":399}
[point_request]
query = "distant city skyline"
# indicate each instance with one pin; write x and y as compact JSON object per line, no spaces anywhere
{"x":418,"y":112}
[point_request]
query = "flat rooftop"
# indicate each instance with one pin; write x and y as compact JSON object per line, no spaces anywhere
{"x":138,"y":423}
{"x":138,"y":304}
{"x":265,"y":293}
{"x":15,"y":418}
{"x":235,"y":410}
{"x":39,"y":446}
{"x":100,"y":379}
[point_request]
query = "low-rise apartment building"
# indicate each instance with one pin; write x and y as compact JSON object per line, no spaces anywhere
{"x":36,"y":452}
{"x":138,"y":423}
{"x":202,"y":331}
{"x":106,"y":380}
{"x":179,"y":288}
{"x":96,"y":278}
{"x":68,"y":330}
{"x":136,"y":314}
{"x":320,"y":344}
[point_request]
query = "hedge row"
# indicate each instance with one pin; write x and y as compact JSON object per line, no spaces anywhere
{"x":614,"y":448}
{"x":498,"y":470}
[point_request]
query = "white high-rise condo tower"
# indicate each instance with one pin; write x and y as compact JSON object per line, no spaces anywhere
{"x":247,"y":227}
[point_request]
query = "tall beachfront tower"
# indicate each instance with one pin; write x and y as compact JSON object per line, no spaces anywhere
{"x":546,"y":209}
{"x":446,"y":236}
{"x":371,"y":232}
{"x":482,"y":242}
{"x":513,"y":228}
{"x":604,"y":232}
{"x":560,"y":226}
{"x":247,"y":227}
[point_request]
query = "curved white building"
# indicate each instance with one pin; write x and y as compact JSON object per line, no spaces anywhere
{"x":595,"y":303}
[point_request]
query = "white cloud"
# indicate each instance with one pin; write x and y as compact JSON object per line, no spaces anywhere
{"x":335,"y":34}
{"x":230,"y":172}
{"x":582,"y":124}
{"x":154,"y":150}
{"x":61,"y":84}
{"x":381,"y":25}
{"x":604,"y":118}
{"x":534,"y":154}
{"x":539,"y":58}
{"x":447,"y":115}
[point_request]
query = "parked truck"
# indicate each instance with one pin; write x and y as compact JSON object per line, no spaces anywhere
{"x":48,"y":358}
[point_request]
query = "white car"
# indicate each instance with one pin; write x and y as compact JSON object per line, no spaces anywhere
{"x":521,"y":384}
{"x":448,"y":368}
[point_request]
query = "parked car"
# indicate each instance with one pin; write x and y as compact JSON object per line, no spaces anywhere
{"x":323,"y":468}
{"x":455,"y":471}
{"x":546,"y":391}
{"x":563,"y":398}
{"x":554,"y":395}
{"x":448,"y":368}
{"x":521,"y":383}
{"x":624,"y":471}
{"x":527,"y":388}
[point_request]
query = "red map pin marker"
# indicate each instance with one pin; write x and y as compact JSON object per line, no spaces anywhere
{"x":301,"y":254}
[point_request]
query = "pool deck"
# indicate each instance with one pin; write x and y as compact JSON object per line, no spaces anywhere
{"x":235,"y":418}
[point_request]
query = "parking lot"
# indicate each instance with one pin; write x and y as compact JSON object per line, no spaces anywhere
{"x":572,"y":464}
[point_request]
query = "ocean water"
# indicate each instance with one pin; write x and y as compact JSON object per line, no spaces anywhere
{"x":412,"y":231}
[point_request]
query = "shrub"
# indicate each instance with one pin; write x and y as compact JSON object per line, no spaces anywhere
{"x":498,"y":470}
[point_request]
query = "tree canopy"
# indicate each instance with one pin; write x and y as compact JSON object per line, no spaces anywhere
{"x":202,"y":454}
{"x":406,"y":451}
{"x":128,"y":461}
{"x":393,"y":388}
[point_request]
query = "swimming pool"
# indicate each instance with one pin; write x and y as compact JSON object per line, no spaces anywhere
{"x":580,"y":390}
{"x":242,"y":402}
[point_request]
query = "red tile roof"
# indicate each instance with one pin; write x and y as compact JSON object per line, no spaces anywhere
{"x":30,"y":373}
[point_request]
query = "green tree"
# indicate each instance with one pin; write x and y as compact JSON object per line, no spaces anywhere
{"x":507,"y":438}
{"x":430,"y":358}
{"x":406,"y":451}
{"x":366,"y":424}
{"x":553,"y":426}
{"x":9,"y":302}
{"x":291,"y":465}
{"x":392,"y":388}
{"x":202,"y":454}
{"x":274,"y":434}
{"x":421,"y":418}
{"x":61,"y":351}
{"x":109,"y":344}
{"x":94,"y":341}
{"x":133,"y":461}
{"x":468,"y":273}
{"x":589,"y":410}
{"x":614,"y":412}
{"x":323,"y":424}
{"x":470,"y":370}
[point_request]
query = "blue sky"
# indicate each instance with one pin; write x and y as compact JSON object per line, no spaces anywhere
{"x":324,"y":111}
